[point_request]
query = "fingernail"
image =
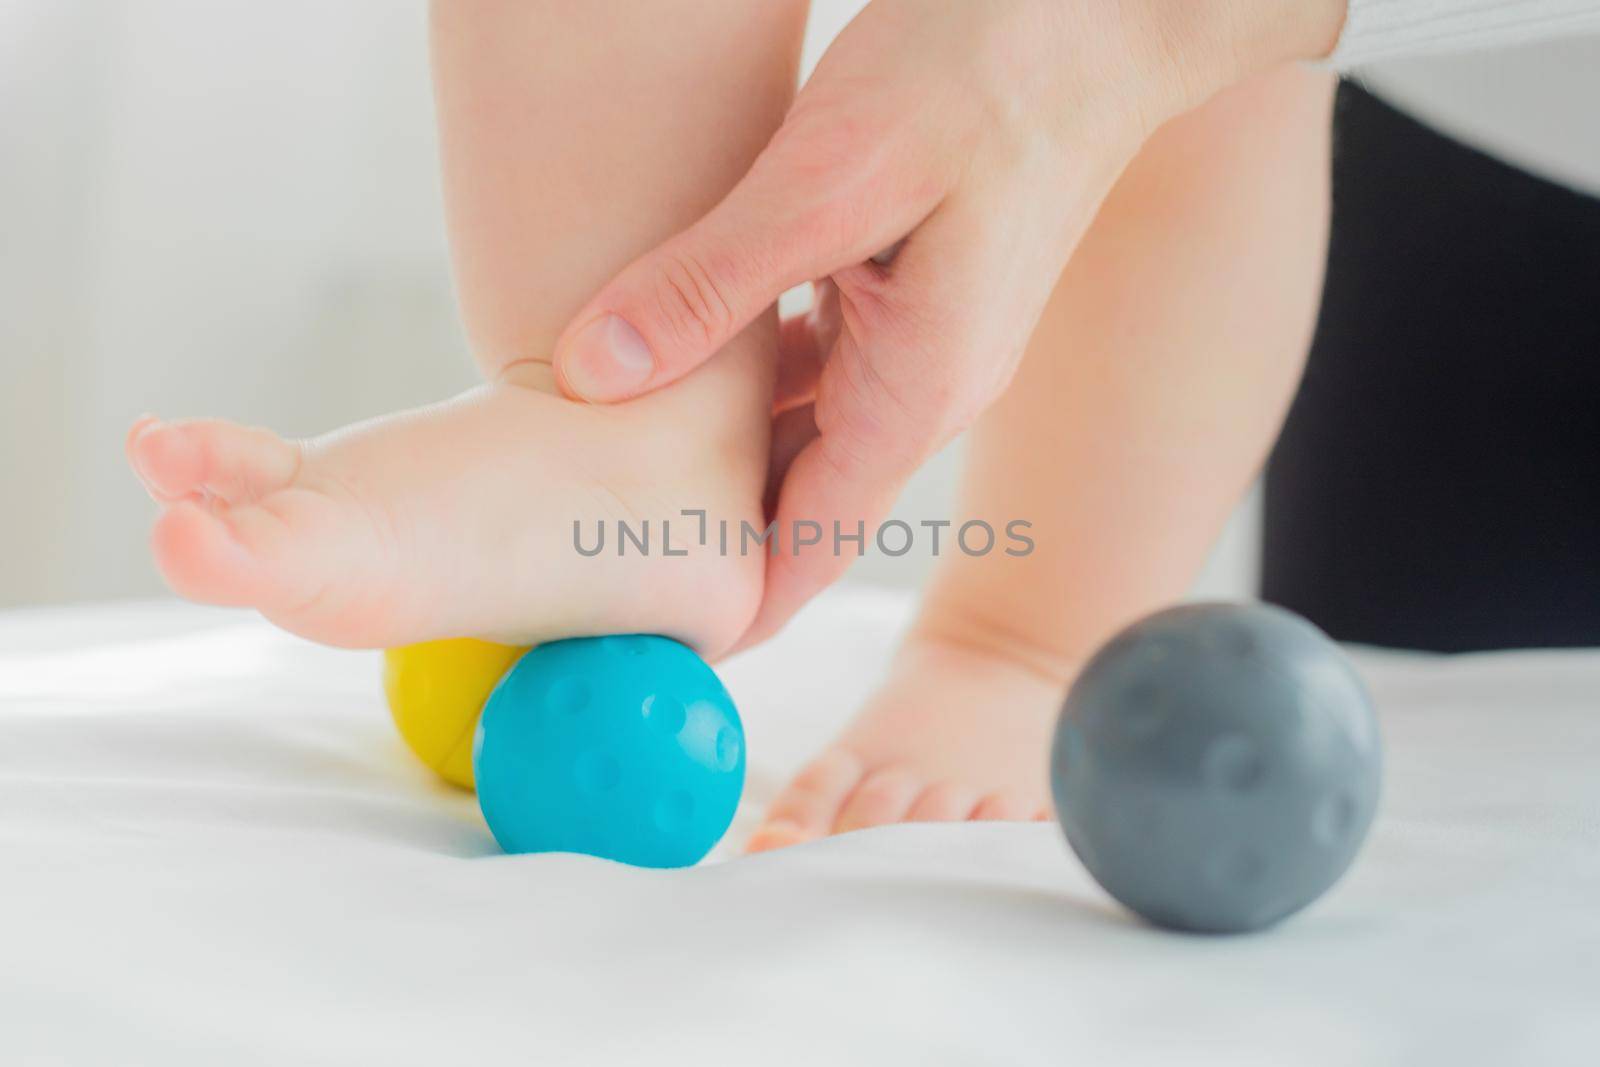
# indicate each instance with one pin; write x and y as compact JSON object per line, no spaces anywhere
{"x":608,"y":360}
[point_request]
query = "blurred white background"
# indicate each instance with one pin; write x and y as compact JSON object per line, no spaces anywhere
{"x":231,"y":208}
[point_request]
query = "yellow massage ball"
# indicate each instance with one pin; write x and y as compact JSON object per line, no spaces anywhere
{"x":436,"y":691}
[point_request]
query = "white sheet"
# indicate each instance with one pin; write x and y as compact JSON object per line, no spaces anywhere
{"x":215,"y":851}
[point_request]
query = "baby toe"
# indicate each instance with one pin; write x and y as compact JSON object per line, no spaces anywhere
{"x":160,"y":455}
{"x":771,"y":836}
{"x":1005,"y":806}
{"x":883,"y":797}
{"x":945,"y":802}
{"x":199,"y":558}
{"x":213,"y":457}
{"x":248,"y":556}
{"x":808,"y":807}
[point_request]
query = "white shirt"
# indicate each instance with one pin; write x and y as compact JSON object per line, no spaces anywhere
{"x":1517,"y":78}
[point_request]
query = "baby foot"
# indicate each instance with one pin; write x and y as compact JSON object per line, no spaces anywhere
{"x":961,"y":730}
{"x":458,"y":519}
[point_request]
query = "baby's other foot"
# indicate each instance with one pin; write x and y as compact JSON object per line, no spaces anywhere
{"x":960,"y":730}
{"x":458,"y":519}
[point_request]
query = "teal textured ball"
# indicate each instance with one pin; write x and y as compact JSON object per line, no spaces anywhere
{"x":626,"y":747}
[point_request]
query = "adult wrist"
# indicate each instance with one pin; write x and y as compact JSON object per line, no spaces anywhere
{"x":1209,"y":45}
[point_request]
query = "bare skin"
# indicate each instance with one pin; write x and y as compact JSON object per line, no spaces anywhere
{"x":938,"y":169}
{"x":1148,"y":396}
{"x":1145,"y":404}
{"x":574,"y":137}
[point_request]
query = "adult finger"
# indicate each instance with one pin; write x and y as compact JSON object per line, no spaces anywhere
{"x":792,"y":431}
{"x":804,"y":342}
{"x":809,"y":206}
{"x":914,"y":364}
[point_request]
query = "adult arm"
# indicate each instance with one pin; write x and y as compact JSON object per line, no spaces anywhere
{"x":937,"y":172}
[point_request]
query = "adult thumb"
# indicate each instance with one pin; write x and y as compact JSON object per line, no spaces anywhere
{"x":668,"y":311}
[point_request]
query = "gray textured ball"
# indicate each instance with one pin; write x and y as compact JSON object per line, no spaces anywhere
{"x":1216,"y":766}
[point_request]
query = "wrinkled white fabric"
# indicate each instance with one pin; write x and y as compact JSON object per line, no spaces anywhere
{"x":1390,"y":29}
{"x":214,"y":850}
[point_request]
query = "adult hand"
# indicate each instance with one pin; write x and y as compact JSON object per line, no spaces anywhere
{"x":966,"y":144}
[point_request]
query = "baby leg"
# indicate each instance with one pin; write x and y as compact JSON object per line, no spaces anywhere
{"x":1148,"y":398}
{"x":574,"y":137}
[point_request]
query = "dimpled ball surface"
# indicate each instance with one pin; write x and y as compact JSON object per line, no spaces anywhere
{"x":1216,"y":766}
{"x":436,"y":690}
{"x":627,"y":748}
